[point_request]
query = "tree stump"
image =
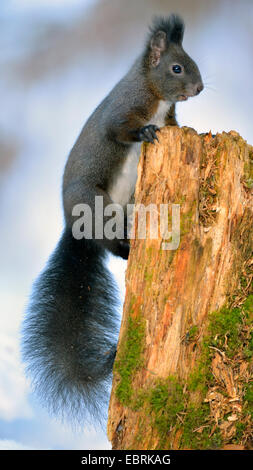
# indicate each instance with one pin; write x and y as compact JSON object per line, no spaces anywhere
{"x":184,"y":365}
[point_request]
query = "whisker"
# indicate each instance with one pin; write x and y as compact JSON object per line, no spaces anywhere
{"x":210,"y":76}
{"x":208,"y":87}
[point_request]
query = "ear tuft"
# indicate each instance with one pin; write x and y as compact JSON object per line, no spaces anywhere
{"x":172,"y":27}
{"x":177,"y":29}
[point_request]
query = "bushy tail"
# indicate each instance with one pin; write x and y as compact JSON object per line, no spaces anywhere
{"x":70,"y":331}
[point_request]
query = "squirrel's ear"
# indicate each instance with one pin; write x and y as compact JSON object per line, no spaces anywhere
{"x":177,"y":29}
{"x":157,"y":46}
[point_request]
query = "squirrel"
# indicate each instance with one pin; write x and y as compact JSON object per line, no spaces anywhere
{"x":71,"y":325}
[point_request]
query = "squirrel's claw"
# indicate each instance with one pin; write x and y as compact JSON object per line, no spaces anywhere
{"x":148,"y":133}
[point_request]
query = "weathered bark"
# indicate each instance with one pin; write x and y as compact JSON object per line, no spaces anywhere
{"x":183,"y":371}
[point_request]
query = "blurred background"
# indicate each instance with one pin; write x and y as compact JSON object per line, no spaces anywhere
{"x":58,"y":59}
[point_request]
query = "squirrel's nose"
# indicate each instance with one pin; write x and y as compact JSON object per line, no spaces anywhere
{"x":199,"y":88}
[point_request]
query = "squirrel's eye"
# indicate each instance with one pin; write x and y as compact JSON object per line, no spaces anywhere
{"x":177,"y":68}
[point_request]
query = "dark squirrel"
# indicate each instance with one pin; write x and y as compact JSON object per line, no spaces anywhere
{"x":71,"y":326}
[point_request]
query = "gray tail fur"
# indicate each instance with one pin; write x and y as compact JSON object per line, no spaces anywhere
{"x":70,"y":331}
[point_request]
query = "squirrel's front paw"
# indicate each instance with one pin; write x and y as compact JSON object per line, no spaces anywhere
{"x":148,"y":133}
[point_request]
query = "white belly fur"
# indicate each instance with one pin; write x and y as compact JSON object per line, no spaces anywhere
{"x":123,"y":185}
{"x":159,"y":117}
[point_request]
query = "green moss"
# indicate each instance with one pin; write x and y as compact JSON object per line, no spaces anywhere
{"x":139,"y":398}
{"x":248,"y":311}
{"x":161,"y":403}
{"x":248,"y":308}
{"x":249,"y":183}
{"x":148,"y":275}
{"x":248,"y":349}
{"x":166,"y":400}
{"x":186,"y":222}
{"x":201,"y":376}
{"x":225,"y":325}
{"x":240,"y":428}
{"x":193,"y":332}
{"x":130,"y":357}
{"x":196,"y":430}
{"x":249,"y":398}
{"x":223,"y":332}
{"x":248,"y":173}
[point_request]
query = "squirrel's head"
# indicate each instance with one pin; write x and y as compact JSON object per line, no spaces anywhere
{"x":172,"y":73}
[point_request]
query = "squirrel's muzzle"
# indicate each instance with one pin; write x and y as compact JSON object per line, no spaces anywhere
{"x":199,"y":88}
{"x":195,"y":89}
